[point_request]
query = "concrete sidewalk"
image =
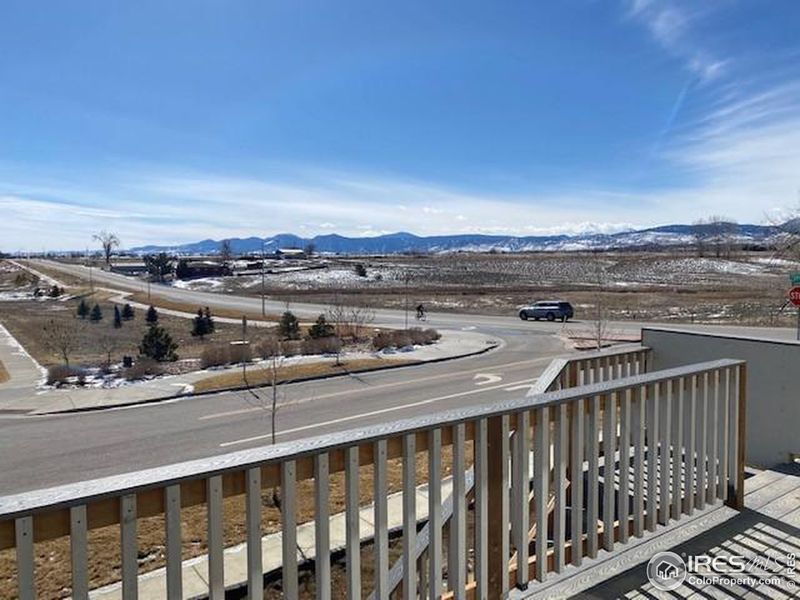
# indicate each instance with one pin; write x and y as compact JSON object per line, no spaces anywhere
{"x":152,"y":585}
{"x":23,"y":371}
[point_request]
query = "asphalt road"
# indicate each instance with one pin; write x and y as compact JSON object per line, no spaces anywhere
{"x":37,"y":452}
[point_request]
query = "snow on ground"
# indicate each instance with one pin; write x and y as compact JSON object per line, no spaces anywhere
{"x":203,"y":284}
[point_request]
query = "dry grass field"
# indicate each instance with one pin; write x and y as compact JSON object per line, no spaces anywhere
{"x":748,"y":289}
{"x":28,"y":319}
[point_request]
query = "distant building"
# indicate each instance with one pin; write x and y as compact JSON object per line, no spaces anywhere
{"x":290,"y":253}
{"x":194,"y":269}
{"x":130,"y":269}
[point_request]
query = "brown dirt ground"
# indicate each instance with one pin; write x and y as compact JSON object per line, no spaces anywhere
{"x":3,"y":373}
{"x":52,"y":558}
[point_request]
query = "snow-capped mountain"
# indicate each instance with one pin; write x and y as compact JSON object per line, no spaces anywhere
{"x":402,"y":242}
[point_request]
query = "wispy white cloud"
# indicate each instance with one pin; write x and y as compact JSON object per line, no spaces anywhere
{"x":669,"y":22}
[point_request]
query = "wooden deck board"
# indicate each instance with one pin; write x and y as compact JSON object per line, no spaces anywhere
{"x":768,"y":528}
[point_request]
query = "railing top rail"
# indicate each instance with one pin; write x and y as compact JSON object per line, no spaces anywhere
{"x":627,"y":348}
{"x":97,"y":489}
{"x":554,"y":370}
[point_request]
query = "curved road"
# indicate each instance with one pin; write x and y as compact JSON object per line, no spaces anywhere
{"x":37,"y":452}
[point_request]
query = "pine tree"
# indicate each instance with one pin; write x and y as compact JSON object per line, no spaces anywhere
{"x":209,"y":321}
{"x":127,"y":312}
{"x":96,"y":314}
{"x":200,"y":325}
{"x":289,"y":327}
{"x":117,"y":318}
{"x":152,"y":316}
{"x":320,"y":329}
{"x":83,"y":309}
{"x":158,"y":344}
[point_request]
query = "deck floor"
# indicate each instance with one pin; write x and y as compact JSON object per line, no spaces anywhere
{"x":766,"y":534}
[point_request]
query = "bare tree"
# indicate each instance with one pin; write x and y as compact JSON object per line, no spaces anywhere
{"x":721,"y":232}
{"x":600,"y":316}
{"x":715,"y":235}
{"x":350,"y":321}
{"x":63,"y":337}
{"x":225,"y":251}
{"x":108,"y":343}
{"x":787,"y":240}
{"x":108,"y":241}
{"x":699,"y":234}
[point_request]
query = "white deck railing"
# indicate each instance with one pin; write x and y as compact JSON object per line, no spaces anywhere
{"x":610,"y":460}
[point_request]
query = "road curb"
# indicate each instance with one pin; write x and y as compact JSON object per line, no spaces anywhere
{"x":242,"y":388}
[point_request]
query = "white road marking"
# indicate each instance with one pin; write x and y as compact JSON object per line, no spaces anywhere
{"x":372,"y":413}
{"x":514,"y":388}
{"x":374,"y":388}
{"x":486,"y":378}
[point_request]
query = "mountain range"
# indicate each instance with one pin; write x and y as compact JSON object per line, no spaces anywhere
{"x":402,"y":242}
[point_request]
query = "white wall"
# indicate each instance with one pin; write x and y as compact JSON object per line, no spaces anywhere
{"x":773,"y":384}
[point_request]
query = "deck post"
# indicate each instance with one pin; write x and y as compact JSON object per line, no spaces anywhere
{"x":498,"y":525}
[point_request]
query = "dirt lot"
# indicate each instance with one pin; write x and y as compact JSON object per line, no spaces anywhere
{"x":52,"y":568}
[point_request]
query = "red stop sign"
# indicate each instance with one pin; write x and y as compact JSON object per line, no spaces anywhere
{"x":794,"y":296}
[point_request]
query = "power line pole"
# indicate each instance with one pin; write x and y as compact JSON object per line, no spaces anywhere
{"x":263,"y":297}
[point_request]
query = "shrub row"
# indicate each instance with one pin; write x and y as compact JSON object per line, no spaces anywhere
{"x":400,"y":338}
{"x":216,"y":355}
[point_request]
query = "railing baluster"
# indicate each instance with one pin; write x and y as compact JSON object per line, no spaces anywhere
{"x":664,"y":503}
{"x":352,"y":524}
{"x":78,"y":551}
{"x":23,"y":527}
{"x":714,"y":439}
{"x":576,"y":481}
{"x":702,"y":443}
{"x":216,"y":544}
{"x":457,"y":572}
{"x":481,"y":511}
{"x":381,"y":521}
{"x":638,"y":460}
{"x":172,"y":503}
{"x":130,"y":565}
{"x":678,"y":470}
{"x":255,"y":570}
{"x":560,"y":455}
{"x":322,"y":518}
{"x":691,"y":450}
{"x":653,"y":392}
{"x":409,"y":517}
{"x":521,"y":488}
{"x":734,"y":433}
{"x":609,"y":468}
{"x":738,"y":449}
{"x":541,"y":493}
{"x":435,"y":512}
{"x":624,"y":497}
{"x":593,"y":455}
{"x":725,"y":423}
{"x":289,"y":528}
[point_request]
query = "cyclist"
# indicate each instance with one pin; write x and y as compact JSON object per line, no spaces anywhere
{"x":420,"y":313}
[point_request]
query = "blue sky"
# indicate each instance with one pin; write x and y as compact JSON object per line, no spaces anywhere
{"x":175,"y":121}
